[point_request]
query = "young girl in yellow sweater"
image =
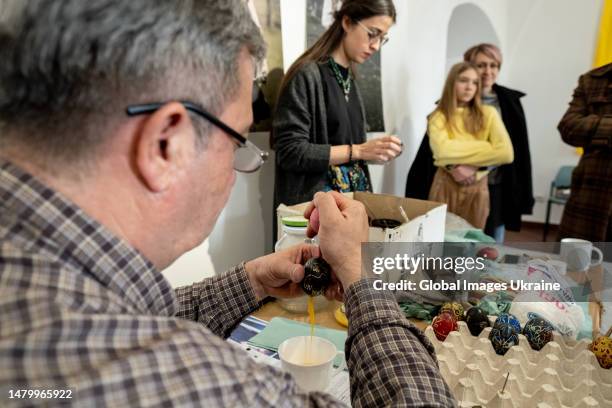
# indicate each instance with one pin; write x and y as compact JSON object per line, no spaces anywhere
{"x":465,"y":137}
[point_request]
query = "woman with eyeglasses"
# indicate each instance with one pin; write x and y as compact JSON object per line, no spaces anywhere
{"x":510,"y":185}
{"x":319,"y":129}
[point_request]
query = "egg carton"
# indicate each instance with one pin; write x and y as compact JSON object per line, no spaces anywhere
{"x":563,"y":374}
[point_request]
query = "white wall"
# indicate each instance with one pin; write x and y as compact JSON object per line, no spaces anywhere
{"x":468,"y":25}
{"x":553,"y":43}
{"x":547,"y":44}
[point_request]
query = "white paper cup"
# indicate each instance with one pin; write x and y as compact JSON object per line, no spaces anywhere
{"x":310,"y":360}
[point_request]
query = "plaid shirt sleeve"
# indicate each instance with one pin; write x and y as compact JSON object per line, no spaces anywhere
{"x":390,"y":361}
{"x":579,"y":126}
{"x":220,"y":302}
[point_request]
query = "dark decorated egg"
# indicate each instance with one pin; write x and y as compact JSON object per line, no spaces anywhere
{"x":538,"y":331}
{"x":455,"y":308}
{"x":602,"y":348}
{"x":317,"y":276}
{"x":503,"y":336}
{"x":509,"y":319}
{"x":443,"y":324}
{"x":476,"y":320}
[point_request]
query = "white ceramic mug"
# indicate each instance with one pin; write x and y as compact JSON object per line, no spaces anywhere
{"x":577,"y":253}
{"x":310,"y":360}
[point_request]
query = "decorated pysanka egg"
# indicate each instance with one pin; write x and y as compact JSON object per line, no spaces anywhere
{"x":455,"y":308}
{"x":509,"y":319}
{"x":317,"y":276}
{"x":602,"y":348}
{"x":538,"y":331}
{"x":503,"y":336}
{"x":443,"y":324}
{"x":476,"y":320}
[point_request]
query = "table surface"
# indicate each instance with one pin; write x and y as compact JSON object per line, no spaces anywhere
{"x":600,"y":311}
{"x":324,"y":317}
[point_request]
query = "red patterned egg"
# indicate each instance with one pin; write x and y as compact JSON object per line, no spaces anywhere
{"x":443,"y":324}
{"x":602,"y":348}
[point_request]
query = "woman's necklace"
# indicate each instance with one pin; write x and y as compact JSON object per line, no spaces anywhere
{"x":345,"y":84}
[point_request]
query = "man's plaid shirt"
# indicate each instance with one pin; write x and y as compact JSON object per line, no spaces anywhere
{"x":81,"y":309}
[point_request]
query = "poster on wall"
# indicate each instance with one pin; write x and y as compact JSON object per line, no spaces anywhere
{"x":318,"y":18}
{"x":267,"y":16}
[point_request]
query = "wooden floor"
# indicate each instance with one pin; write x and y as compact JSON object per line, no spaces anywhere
{"x":532,"y":232}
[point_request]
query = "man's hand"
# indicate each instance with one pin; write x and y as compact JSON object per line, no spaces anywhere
{"x":464,"y":174}
{"x":343,"y":226}
{"x":280,"y":273}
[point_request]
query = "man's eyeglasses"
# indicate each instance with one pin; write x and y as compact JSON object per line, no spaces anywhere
{"x":248,"y":158}
{"x":374,"y":35}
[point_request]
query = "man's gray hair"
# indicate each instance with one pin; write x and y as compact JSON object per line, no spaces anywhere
{"x":70,"y":67}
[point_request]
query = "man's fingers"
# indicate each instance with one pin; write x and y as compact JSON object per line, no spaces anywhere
{"x":309,"y":251}
{"x":309,"y":209}
{"x":290,"y":290}
{"x":332,"y":201}
{"x":286,"y":270}
{"x":297,"y":273}
{"x":312,"y":228}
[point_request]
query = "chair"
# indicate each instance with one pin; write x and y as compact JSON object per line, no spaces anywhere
{"x":559,"y":192}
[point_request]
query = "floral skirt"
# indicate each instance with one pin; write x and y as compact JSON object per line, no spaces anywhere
{"x":347,"y":177}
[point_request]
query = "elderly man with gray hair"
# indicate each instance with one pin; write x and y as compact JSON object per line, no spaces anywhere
{"x":121,"y":130}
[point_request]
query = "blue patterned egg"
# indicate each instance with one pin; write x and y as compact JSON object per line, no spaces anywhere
{"x":503,"y":336}
{"x":476,"y":320}
{"x":538,"y":331}
{"x":509,"y":319}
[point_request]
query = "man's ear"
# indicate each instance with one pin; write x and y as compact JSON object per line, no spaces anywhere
{"x":164,"y":146}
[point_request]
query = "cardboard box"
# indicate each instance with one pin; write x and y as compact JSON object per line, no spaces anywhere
{"x":426,"y":218}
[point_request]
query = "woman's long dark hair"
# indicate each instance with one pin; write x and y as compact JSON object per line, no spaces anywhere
{"x":355,"y":10}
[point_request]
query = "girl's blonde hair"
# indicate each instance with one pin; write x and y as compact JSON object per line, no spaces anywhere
{"x":473,"y":118}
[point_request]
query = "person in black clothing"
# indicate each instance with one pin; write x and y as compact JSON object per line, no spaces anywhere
{"x":510,"y":185}
{"x":319,"y":129}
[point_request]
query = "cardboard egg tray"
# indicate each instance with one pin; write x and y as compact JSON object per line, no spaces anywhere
{"x":563,"y":374}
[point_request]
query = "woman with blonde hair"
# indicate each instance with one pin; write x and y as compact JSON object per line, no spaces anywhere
{"x":319,"y":129}
{"x":465,"y":135}
{"x":510,"y":186}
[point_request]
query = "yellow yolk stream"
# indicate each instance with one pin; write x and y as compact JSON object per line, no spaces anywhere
{"x":311,"y":314}
{"x":311,"y":319}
